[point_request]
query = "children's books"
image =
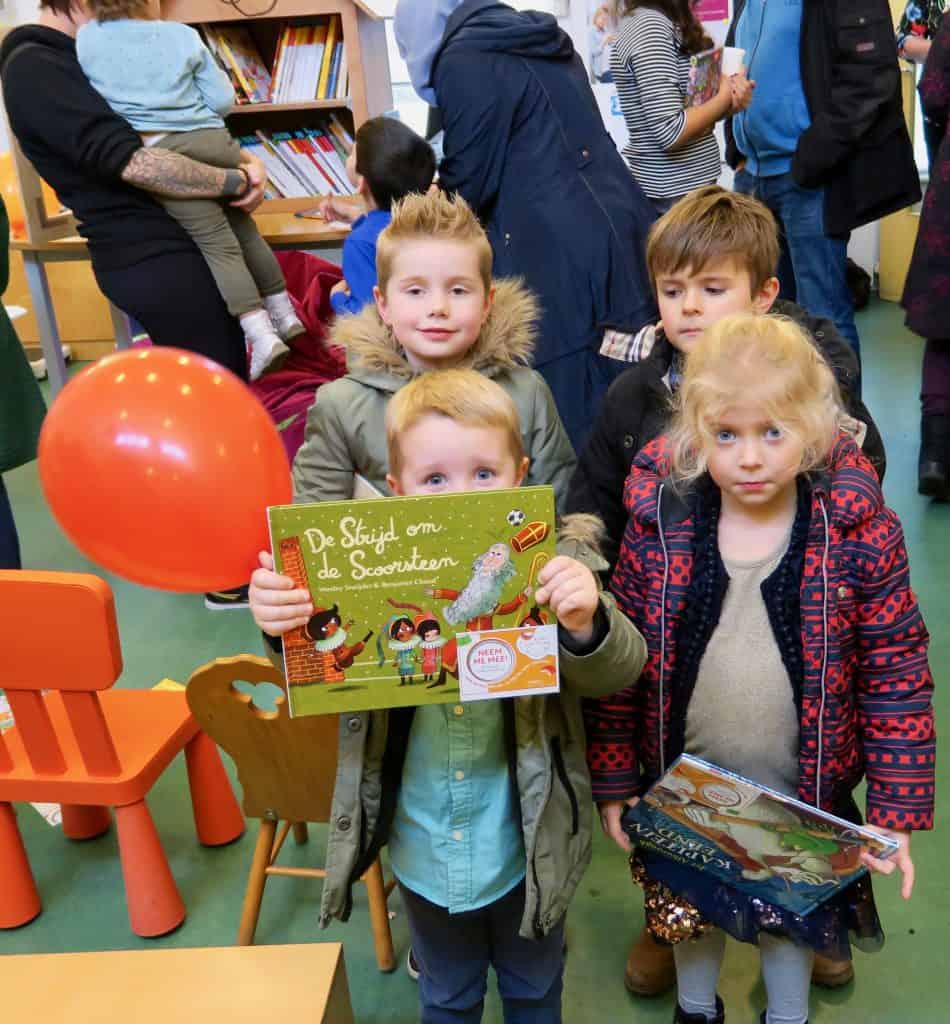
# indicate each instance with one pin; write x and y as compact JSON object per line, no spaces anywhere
{"x":703,"y":83}
{"x":418,"y":600}
{"x":699,"y":818}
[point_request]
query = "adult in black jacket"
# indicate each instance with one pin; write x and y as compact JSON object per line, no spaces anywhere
{"x":525,"y":145}
{"x":143,"y":260}
{"x":638,"y":408}
{"x":823,"y":143}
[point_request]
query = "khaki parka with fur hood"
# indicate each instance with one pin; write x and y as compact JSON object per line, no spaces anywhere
{"x":346,"y":432}
{"x":547,"y":761}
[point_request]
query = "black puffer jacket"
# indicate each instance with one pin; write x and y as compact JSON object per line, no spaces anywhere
{"x":637,"y":409}
{"x":857,"y":146}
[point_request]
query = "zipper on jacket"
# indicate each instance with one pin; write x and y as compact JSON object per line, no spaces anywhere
{"x":666,"y":577}
{"x":824,"y":651}
{"x":755,"y":50}
{"x":561,"y":771}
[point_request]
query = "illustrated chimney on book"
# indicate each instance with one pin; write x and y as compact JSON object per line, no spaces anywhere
{"x":301,"y":658}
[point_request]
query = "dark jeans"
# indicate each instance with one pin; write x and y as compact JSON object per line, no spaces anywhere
{"x":175,"y":299}
{"x":9,"y":541}
{"x":454,"y":951}
{"x":812,"y":267}
{"x":935,"y":378}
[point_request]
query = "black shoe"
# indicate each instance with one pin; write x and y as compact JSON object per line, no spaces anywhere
{"x":933,"y":466}
{"x":225,"y":600}
{"x":682,"y":1017}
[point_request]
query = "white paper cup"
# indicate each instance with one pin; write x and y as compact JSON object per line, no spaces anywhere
{"x":732,"y":58}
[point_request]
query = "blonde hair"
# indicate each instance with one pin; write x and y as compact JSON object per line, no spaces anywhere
{"x":465,"y":397}
{"x":436,"y":216}
{"x":710,"y":225}
{"x":766,"y":360}
{"x":113,"y":10}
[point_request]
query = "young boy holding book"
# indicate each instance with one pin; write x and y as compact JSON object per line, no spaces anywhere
{"x":163,"y":80}
{"x":486,"y":868}
{"x":713,"y":254}
{"x":387,"y":162}
{"x":436,"y":307}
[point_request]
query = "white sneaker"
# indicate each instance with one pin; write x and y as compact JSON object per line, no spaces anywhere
{"x":39,"y":368}
{"x":267,"y":354}
{"x":288,"y":326}
{"x":283,"y":316}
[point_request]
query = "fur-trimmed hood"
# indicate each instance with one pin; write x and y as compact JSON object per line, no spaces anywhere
{"x":581,"y":536}
{"x":374,"y":357}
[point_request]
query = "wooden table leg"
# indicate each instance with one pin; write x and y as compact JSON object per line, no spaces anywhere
{"x":45,"y":319}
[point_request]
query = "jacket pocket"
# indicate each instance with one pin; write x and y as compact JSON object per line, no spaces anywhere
{"x":865,"y":33}
{"x":561,"y":771}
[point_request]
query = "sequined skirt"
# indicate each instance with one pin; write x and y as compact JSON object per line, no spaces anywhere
{"x":848,"y":918}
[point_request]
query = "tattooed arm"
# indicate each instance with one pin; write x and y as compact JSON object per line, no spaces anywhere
{"x":170,"y":174}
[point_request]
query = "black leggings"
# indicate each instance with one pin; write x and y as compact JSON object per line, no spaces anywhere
{"x":174,"y":297}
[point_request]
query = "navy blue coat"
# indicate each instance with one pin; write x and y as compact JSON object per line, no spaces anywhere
{"x":527,"y":148}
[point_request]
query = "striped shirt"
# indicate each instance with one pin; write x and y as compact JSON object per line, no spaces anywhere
{"x":651,"y":77}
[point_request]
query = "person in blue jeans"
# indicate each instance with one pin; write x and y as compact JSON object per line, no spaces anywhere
{"x":387,"y":162}
{"x":823,"y":143}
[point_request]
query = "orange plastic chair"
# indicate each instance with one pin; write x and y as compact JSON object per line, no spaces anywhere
{"x":287,"y":769}
{"x":90,"y":748}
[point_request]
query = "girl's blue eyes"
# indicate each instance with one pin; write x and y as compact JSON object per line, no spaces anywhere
{"x":770,"y":434}
{"x":484,"y":474}
{"x":435,"y":480}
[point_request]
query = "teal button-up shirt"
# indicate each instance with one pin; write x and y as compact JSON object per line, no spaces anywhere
{"x":456,"y":839}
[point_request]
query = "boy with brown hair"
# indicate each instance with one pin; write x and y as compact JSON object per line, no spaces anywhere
{"x":712,"y":254}
{"x":486,"y":807}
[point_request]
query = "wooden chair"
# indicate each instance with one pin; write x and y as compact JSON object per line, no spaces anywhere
{"x":91,"y":748}
{"x":287,"y":768}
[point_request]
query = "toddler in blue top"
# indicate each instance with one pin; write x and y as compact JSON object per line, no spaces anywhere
{"x":161,"y":78}
{"x":387,"y":162}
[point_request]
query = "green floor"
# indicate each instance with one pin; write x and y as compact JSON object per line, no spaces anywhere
{"x":166,"y":635}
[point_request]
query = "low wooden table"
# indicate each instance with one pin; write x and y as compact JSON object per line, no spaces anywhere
{"x":279,"y":230}
{"x":232,"y":985}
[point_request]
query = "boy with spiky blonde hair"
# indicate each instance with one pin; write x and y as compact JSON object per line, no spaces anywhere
{"x":437,"y":307}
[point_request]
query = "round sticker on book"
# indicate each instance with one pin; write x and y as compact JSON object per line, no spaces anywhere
{"x":491,"y":660}
{"x":721,"y":795}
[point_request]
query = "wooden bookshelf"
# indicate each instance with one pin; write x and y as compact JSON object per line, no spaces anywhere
{"x":364,"y":42}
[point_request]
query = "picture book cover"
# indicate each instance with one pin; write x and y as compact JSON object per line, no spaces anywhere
{"x":700,"y":817}
{"x":418,"y":600}
{"x":703,"y":82}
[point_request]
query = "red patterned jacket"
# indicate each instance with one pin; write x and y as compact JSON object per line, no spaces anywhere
{"x":853,"y":640}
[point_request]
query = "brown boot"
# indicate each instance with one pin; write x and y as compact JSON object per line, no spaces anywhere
{"x":650,"y":970}
{"x":831,"y":973}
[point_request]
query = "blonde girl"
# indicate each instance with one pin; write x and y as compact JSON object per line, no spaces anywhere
{"x":785,"y":643}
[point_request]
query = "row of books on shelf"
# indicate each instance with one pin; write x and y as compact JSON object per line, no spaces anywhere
{"x":309,"y":62}
{"x":305,"y":162}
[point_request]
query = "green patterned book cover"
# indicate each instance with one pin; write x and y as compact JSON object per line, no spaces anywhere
{"x":418,"y":600}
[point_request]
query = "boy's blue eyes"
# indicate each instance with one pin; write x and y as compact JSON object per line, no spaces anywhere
{"x":439,"y":479}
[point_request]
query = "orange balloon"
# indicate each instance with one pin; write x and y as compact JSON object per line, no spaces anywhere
{"x":159,"y":465}
{"x":10,"y":188}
